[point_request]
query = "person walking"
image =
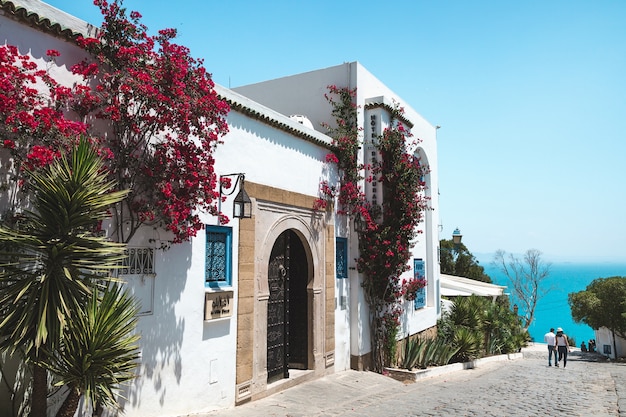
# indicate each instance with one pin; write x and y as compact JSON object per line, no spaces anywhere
{"x":549,"y":339}
{"x":562,"y":346}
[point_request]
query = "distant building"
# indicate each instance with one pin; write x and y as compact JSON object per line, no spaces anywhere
{"x":605,"y":346}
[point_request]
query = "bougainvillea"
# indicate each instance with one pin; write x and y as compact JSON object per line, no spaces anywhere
{"x":411,"y":286}
{"x":385,"y":231}
{"x":149,"y":87}
{"x":33,"y":127}
{"x":153,"y":107}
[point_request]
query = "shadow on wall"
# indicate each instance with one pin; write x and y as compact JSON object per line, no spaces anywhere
{"x":162,"y":331}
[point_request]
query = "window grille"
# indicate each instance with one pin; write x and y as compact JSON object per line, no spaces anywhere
{"x":218,"y":256}
{"x":341,"y":257}
{"x":138,"y":261}
{"x":419,"y":272}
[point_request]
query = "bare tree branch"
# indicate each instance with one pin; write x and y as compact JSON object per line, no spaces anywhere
{"x":526,"y":277}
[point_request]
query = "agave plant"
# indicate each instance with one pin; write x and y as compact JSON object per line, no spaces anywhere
{"x":410,"y":353}
{"x":427,"y":352}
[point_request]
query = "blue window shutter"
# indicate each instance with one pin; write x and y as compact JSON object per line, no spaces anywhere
{"x":218,"y":256}
{"x":419,"y":272}
{"x":341,"y":257}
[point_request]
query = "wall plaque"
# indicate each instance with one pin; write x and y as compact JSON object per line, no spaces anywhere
{"x":218,"y":304}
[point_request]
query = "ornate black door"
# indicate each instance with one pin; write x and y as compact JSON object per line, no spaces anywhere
{"x":278,"y":311}
{"x":286,"y":338}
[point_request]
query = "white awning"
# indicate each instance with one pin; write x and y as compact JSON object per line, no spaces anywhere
{"x":452,"y":286}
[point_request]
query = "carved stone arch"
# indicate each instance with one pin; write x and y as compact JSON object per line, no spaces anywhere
{"x":304,"y":231}
{"x":313,"y":244}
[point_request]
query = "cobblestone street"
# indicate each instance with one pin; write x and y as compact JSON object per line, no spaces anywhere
{"x":588,"y":386}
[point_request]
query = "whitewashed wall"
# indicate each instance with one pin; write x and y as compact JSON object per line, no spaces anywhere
{"x":188,"y":365}
{"x":604,"y":337}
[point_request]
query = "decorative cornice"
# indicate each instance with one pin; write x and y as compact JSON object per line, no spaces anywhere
{"x":381,"y":102}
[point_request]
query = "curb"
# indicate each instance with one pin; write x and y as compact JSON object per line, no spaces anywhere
{"x":407,"y":376}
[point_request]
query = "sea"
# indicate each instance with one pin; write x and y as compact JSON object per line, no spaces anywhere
{"x":553,"y":309}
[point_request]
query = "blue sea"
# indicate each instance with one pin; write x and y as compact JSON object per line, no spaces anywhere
{"x":553,"y":309}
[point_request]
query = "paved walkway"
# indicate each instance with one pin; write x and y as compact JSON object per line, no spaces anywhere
{"x":589,"y":386}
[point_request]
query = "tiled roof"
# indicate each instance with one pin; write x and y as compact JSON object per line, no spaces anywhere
{"x":47,"y":18}
{"x":375,"y":102}
{"x":252,"y":109}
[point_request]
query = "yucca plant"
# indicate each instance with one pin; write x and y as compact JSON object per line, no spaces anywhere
{"x":469,"y":343}
{"x":99,"y":350}
{"x":467,"y":312}
{"x":50,"y":262}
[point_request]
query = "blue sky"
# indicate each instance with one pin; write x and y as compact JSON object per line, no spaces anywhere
{"x":530,"y":97}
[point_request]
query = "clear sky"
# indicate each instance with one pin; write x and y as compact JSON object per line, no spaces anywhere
{"x":530,"y":96}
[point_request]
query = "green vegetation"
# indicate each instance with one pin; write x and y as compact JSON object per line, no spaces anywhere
{"x":424,"y":353}
{"x":479,"y":326}
{"x":53,"y":262}
{"x":602,"y":304}
{"x":456,"y":259}
{"x":99,"y":350}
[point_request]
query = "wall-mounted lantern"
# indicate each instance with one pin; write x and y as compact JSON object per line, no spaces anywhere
{"x":242,"y":205}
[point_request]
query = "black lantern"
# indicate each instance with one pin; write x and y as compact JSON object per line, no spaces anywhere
{"x":242,"y":205}
{"x":242,"y":208}
{"x":360,"y":224}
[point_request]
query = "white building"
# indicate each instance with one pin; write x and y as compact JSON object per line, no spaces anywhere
{"x":210,"y":344}
{"x":607,"y":343}
{"x":304,"y":94}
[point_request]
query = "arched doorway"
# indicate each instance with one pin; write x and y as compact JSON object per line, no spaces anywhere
{"x":287,"y":308}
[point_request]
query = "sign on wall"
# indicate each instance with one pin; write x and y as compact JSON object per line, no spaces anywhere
{"x":218,"y":305}
{"x":419,"y":272}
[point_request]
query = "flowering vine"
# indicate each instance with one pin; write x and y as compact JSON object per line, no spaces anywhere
{"x":388,"y":229}
{"x":411,"y":287}
{"x":152,"y":106}
{"x":150,"y":87}
{"x":32,"y":129}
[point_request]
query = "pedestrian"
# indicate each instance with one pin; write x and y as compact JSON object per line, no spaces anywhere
{"x":583,"y":347}
{"x":549,"y":339}
{"x":562,"y":346}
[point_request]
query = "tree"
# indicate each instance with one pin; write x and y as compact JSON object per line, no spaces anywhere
{"x":602,"y":304}
{"x":53,"y":258}
{"x":456,"y":259}
{"x":527,"y":279}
